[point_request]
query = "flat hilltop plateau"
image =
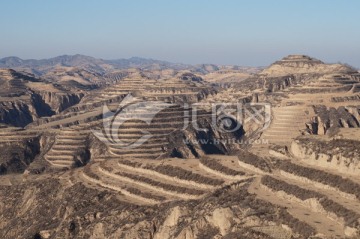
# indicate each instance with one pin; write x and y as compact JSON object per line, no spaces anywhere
{"x":133,"y":148}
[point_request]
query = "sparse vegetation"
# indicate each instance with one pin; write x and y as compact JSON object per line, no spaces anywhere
{"x":184,"y":174}
{"x":278,"y":185}
{"x":134,"y":192}
{"x":254,"y":160}
{"x":215,"y":165}
{"x":165,"y":186}
{"x":143,"y":194}
{"x":336,"y":181}
{"x":351,"y":218}
{"x":91,"y":174}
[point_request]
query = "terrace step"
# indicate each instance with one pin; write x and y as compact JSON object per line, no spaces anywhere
{"x":67,"y":145}
{"x":62,"y":162}
{"x":59,"y":147}
{"x":322,"y":224}
{"x":56,"y":152}
{"x":331,"y":208}
{"x":52,"y":157}
{"x":69,"y":137}
{"x":59,"y":163}
{"x":146,"y":145}
{"x":168,"y":189}
{"x":132,"y":130}
{"x":287,"y":123}
{"x":137,"y":150}
{"x":183,"y":177}
{"x":352,"y":204}
{"x":105,"y":181}
{"x":129,"y":138}
{"x":143,"y":155}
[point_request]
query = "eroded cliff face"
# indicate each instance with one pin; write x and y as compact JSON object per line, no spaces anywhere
{"x":25,"y":98}
{"x":59,"y":102}
{"x":341,"y":155}
{"x":20,"y":112}
{"x":17,"y":156}
{"x":267,"y":84}
{"x":206,"y":139}
{"x":328,"y":120}
{"x":279,"y":83}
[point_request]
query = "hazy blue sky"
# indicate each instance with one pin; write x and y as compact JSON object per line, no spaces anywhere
{"x":190,"y":31}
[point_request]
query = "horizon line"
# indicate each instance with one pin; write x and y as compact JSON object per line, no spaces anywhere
{"x":167,"y":61}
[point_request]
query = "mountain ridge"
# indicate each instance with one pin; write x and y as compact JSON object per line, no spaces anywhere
{"x":78,"y":60}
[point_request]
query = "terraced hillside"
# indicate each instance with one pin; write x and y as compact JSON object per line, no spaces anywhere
{"x":130,"y":131}
{"x":68,"y":149}
{"x":296,"y":177}
{"x":151,"y":182}
{"x":308,"y":172}
{"x":72,"y":128}
{"x":287,"y":123}
{"x":325,"y":200}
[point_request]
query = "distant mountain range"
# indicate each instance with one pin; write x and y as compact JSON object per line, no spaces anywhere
{"x":40,"y":67}
{"x":88,"y":62}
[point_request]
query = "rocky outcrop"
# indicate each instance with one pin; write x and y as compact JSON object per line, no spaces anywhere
{"x":171,"y":221}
